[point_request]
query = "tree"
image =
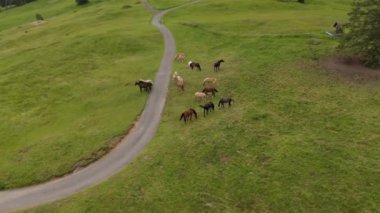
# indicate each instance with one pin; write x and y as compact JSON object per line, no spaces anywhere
{"x":80,"y":2}
{"x":363,"y":36}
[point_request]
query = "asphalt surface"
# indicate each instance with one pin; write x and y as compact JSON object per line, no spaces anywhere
{"x":120,"y":156}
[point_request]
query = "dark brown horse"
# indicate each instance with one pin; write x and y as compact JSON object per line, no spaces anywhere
{"x":207,"y":107}
{"x":224,"y":101}
{"x":147,"y":86}
{"x":217,"y":65}
{"x":193,"y":65}
{"x":211,"y":90}
{"x":188,"y":115}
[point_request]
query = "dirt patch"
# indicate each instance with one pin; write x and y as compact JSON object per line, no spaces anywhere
{"x":350,"y":68}
{"x":39,"y":22}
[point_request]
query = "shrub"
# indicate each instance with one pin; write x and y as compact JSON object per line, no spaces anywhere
{"x":362,"y":39}
{"x":39,"y":17}
{"x":81,"y":2}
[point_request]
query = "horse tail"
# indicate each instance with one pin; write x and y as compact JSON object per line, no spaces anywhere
{"x":216,"y":90}
{"x":182,"y":116}
{"x":201,"y":106}
{"x":199,"y":67}
{"x":195,"y":113}
{"x":220,"y":102}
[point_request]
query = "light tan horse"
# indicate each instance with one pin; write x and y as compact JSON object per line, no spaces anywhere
{"x":180,"y":57}
{"x":200,"y":96}
{"x":180,"y":83}
{"x":174,"y":76}
{"x":209,"y":80}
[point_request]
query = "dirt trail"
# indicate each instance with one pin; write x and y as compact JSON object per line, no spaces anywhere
{"x":120,"y":156}
{"x":350,"y":68}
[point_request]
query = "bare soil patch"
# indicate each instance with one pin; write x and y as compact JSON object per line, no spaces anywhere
{"x":39,"y":22}
{"x":350,"y":68}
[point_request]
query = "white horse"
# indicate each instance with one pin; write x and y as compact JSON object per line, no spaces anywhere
{"x":209,"y":80}
{"x":200,"y":96}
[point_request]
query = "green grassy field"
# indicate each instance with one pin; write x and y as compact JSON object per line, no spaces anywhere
{"x":66,"y":86}
{"x":164,"y":4}
{"x":298,"y":138}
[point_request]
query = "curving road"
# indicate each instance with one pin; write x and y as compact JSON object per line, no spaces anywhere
{"x":120,"y":156}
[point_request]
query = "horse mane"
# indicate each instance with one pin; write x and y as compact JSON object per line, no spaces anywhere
{"x":195,"y":113}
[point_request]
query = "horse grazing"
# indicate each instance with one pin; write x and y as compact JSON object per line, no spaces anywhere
{"x":211,"y":90}
{"x":207,"y":107}
{"x":188,"y":115}
{"x":225,"y":100}
{"x":199,"y":96}
{"x":179,"y":82}
{"x":209,"y":80}
{"x":174,"y":76}
{"x":217,"y":65}
{"x":144,"y":84}
{"x":193,"y":65}
{"x":338,"y":28}
{"x":180,"y":57}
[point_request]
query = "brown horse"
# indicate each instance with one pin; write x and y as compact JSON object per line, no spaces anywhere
{"x":188,"y":114}
{"x":211,"y":90}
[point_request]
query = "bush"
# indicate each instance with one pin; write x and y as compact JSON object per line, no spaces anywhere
{"x":81,"y":2}
{"x":362,"y":39}
{"x":39,"y":17}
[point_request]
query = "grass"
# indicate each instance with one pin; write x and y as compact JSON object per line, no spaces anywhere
{"x":165,"y":4}
{"x":298,"y":138}
{"x":67,"y":85}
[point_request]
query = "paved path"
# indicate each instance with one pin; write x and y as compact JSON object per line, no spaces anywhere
{"x":119,"y":157}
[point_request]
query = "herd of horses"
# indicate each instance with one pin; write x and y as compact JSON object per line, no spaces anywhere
{"x":187,"y":115}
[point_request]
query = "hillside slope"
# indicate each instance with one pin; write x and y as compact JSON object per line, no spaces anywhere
{"x":297,"y":139}
{"x":67,"y":85}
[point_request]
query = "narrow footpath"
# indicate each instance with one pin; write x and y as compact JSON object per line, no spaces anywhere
{"x":120,"y":156}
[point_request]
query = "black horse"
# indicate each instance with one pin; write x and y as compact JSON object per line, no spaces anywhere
{"x":217,"y":65}
{"x":224,"y":101}
{"x":193,"y":65}
{"x":207,"y":107}
{"x":147,"y":86}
